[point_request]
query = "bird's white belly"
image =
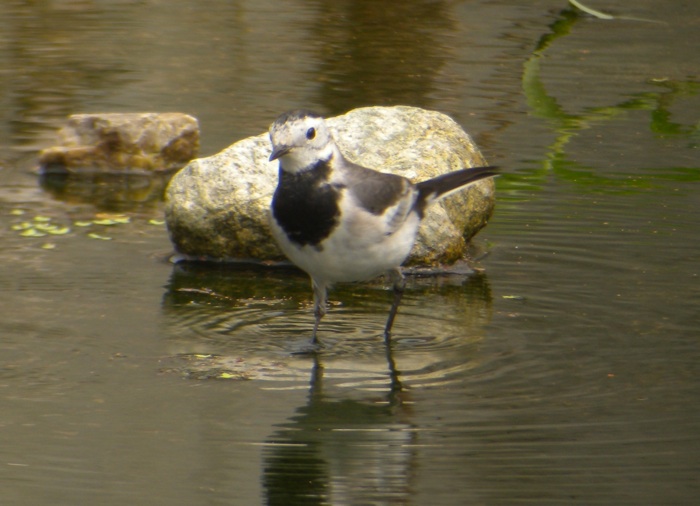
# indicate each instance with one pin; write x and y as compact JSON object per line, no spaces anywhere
{"x":357,"y":250}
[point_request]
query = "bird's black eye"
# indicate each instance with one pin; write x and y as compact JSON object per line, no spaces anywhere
{"x":311,"y":133}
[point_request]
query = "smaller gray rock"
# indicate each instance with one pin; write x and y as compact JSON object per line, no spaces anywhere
{"x":218,"y":207}
{"x":123,"y":142}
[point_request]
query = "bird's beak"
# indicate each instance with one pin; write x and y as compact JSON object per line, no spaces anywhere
{"x":279,"y":151}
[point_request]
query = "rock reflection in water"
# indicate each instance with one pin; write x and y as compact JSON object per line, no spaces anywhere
{"x":116,"y":192}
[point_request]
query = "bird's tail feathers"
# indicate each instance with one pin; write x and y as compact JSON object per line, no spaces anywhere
{"x":441,"y":186}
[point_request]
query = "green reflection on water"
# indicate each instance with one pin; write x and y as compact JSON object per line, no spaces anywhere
{"x":567,"y":125}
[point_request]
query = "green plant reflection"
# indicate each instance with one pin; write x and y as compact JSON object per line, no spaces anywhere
{"x":567,"y":125}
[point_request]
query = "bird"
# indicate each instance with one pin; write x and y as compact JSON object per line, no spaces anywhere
{"x":339,"y":221}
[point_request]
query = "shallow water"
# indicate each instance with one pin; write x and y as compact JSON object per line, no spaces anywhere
{"x":564,"y":370}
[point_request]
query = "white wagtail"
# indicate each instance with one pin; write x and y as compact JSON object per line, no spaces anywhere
{"x":339,"y":221}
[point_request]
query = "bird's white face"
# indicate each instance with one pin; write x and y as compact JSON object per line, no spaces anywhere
{"x":300,"y":140}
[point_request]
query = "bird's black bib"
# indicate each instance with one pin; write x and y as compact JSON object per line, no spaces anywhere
{"x":305,"y":205}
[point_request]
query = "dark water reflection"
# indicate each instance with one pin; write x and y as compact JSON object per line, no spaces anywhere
{"x":566,"y":371}
{"x":342,"y":451}
{"x":370,"y":55}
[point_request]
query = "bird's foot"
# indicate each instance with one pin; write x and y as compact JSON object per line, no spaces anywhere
{"x":310,"y":348}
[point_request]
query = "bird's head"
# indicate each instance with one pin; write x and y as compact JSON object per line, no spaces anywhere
{"x":300,"y":139}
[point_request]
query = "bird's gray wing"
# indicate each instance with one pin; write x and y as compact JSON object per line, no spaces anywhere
{"x":381,"y":194}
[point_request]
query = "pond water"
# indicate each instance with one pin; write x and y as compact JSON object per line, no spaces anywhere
{"x":565,"y":370}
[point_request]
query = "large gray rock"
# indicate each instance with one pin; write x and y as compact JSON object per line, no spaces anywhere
{"x":116,"y":142}
{"x":218,"y":207}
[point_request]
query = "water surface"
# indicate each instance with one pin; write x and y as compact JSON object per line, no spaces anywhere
{"x":563,"y":371}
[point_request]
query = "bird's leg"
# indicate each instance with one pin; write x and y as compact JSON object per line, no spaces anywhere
{"x":399,"y":284}
{"x":320,"y":304}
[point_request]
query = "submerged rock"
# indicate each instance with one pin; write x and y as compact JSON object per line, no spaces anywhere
{"x":218,"y":207}
{"x":116,"y":142}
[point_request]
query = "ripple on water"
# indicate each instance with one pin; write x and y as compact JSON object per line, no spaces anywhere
{"x":435,"y":337}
